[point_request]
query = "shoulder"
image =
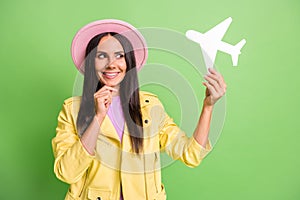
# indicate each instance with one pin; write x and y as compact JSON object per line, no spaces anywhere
{"x":72,"y":100}
{"x":144,"y":95}
{"x":72,"y":104}
{"x":147,"y":94}
{"x":148,"y":98}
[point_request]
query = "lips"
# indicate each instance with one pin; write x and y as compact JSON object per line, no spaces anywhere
{"x":110,"y":75}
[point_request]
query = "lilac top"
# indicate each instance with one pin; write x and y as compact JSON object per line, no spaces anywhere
{"x":115,"y":114}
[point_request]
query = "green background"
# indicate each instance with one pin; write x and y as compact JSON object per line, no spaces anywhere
{"x":257,"y":155}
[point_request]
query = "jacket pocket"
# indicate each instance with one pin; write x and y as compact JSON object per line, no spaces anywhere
{"x":98,"y":194}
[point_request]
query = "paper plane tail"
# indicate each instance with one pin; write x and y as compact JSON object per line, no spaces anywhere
{"x":237,"y":47}
{"x":240,"y":45}
{"x":235,"y":59}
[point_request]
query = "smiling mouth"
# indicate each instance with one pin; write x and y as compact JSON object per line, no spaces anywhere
{"x":110,"y":75}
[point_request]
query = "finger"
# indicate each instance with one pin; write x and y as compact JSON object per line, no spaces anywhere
{"x":108,"y":98}
{"x":219,"y":91}
{"x":210,"y":88}
{"x":103,"y":91}
{"x":108,"y":88}
{"x":216,"y":73}
{"x":220,"y":81}
{"x":213,"y":71}
{"x":103,"y":98}
{"x":107,"y":102}
{"x":217,"y":76}
{"x":212,"y":82}
{"x":100,"y":100}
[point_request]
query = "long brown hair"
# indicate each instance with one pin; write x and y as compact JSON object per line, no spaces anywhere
{"x":129,"y":91}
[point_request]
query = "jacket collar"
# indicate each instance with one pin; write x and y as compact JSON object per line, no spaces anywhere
{"x":108,"y":129}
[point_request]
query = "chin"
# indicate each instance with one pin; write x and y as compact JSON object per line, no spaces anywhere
{"x":110,"y":83}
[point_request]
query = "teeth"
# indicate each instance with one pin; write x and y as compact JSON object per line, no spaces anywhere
{"x":110,"y":74}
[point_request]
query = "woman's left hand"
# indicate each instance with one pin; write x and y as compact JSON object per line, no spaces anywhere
{"x":215,"y":87}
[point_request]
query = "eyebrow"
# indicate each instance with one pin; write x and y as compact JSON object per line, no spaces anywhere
{"x":114,"y":52}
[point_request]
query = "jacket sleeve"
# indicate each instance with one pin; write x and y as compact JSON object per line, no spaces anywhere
{"x":71,"y":158}
{"x":177,"y":145}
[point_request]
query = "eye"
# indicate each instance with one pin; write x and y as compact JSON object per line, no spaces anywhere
{"x":119,"y":55}
{"x":101,"y":55}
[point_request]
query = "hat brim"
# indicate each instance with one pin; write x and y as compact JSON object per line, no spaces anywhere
{"x":86,"y":33}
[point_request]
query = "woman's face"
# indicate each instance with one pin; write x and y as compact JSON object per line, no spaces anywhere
{"x":110,"y":61}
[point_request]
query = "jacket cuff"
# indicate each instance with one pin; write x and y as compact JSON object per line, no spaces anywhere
{"x":202,"y":151}
{"x":83,"y":150}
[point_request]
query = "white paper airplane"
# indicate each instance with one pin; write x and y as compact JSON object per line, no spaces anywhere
{"x":211,"y":41}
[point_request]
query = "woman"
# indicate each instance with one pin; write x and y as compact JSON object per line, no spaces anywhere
{"x":108,"y":141}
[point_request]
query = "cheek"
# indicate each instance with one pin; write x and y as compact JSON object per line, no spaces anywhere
{"x":98,"y":69}
{"x":99,"y":76}
{"x":98,"y":73}
{"x":100,"y":64}
{"x":122,"y":65}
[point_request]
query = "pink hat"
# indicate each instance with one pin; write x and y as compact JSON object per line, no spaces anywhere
{"x":86,"y":33}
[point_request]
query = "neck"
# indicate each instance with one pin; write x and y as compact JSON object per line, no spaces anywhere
{"x":116,"y":93}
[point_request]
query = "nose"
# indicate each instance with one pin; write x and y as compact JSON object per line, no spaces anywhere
{"x":111,"y":63}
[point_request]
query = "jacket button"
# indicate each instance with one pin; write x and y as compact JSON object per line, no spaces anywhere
{"x":98,"y":198}
{"x":146,"y":121}
{"x":147,"y":101}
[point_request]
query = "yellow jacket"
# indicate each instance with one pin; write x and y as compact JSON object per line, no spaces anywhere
{"x":99,"y":177}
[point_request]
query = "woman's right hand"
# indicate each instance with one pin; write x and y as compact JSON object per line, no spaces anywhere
{"x":103,"y":98}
